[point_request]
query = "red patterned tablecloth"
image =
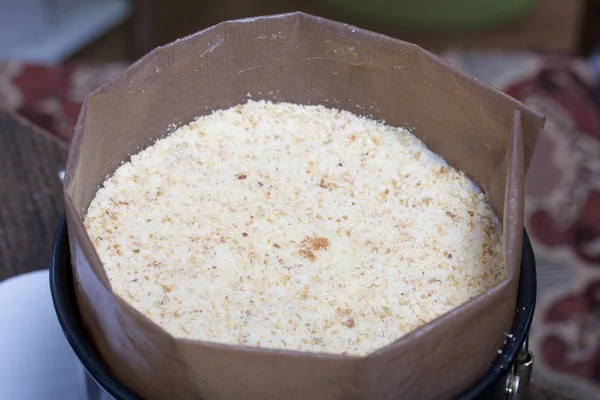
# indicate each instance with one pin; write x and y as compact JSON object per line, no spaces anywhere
{"x":562,"y":212}
{"x":563,"y":189}
{"x":51,"y":96}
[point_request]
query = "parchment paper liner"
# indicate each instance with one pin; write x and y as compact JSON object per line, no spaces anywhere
{"x":309,"y":60}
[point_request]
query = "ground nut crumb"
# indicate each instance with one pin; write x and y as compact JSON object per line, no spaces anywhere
{"x":294,"y":227}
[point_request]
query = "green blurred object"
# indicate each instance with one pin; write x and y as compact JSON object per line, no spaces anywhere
{"x":437,"y":14}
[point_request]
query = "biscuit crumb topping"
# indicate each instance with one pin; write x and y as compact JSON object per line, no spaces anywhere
{"x":294,"y":227}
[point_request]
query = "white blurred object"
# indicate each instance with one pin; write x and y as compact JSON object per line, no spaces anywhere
{"x":36,"y":361}
{"x":49,"y":31}
{"x":19,"y":20}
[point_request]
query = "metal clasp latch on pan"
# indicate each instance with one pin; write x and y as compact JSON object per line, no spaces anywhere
{"x":518,"y":379}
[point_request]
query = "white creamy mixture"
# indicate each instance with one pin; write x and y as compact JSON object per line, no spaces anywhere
{"x":296,"y":227}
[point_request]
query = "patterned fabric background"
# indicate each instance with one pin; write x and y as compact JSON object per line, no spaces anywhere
{"x":563,"y":189}
{"x":562,"y":211}
{"x":51,"y":97}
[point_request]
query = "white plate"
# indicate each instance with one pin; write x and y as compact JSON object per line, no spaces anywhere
{"x":36,"y":361}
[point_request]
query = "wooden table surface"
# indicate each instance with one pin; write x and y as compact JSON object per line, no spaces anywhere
{"x":31,"y":204}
